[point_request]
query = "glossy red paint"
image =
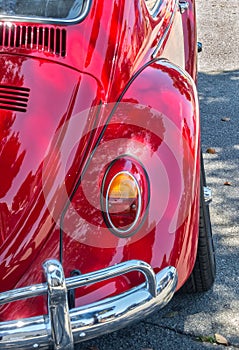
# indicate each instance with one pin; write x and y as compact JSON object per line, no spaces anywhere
{"x":124,"y":87}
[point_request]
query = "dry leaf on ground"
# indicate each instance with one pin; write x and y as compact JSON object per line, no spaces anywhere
{"x":211,"y":150}
{"x":220,"y":339}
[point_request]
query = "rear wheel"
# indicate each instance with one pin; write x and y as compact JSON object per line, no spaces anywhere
{"x":204,"y":271}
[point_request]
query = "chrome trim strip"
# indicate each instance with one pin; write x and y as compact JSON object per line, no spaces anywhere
{"x":58,"y":21}
{"x":91,"y":320}
{"x":161,"y":41}
{"x":58,"y":309}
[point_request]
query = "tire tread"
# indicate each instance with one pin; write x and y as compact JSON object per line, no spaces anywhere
{"x":204,"y":271}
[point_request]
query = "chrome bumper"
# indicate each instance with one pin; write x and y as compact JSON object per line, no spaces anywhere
{"x":62,"y":327}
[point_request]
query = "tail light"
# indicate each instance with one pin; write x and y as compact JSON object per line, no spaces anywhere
{"x":125,"y":196}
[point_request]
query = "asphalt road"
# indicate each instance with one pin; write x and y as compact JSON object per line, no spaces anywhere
{"x":189,"y":318}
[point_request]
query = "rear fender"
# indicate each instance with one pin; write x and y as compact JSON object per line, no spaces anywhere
{"x":156,"y":124}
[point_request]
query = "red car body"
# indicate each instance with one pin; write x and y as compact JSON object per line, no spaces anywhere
{"x":85,"y":102}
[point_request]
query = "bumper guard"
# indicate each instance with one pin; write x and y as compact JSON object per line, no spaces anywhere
{"x":62,"y":327}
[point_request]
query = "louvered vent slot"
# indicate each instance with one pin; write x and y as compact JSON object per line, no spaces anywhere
{"x":46,"y":39}
{"x":14,"y":98}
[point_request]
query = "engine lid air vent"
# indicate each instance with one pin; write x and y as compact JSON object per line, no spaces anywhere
{"x":14,"y":98}
{"x":45,"y":39}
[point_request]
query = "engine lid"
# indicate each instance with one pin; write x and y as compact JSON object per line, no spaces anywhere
{"x":46,"y":109}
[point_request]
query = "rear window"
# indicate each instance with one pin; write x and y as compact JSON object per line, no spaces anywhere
{"x":44,"y":10}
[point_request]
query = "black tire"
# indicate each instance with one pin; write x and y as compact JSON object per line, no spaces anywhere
{"x":204,"y":271}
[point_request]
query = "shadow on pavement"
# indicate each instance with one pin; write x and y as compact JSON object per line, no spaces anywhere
{"x":217,"y":311}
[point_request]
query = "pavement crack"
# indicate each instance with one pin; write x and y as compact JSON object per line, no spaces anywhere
{"x":193,"y":336}
{"x":178,"y":331}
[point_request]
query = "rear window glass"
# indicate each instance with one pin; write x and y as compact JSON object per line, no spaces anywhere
{"x":43,"y":9}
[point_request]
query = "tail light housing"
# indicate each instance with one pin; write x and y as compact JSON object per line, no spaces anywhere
{"x":125,"y":196}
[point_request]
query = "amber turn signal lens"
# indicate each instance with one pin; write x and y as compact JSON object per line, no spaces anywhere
{"x":122,"y":186}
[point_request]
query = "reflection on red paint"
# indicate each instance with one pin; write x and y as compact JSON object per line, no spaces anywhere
{"x":114,"y":94}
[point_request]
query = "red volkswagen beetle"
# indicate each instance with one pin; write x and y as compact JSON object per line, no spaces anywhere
{"x":103,"y":200}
